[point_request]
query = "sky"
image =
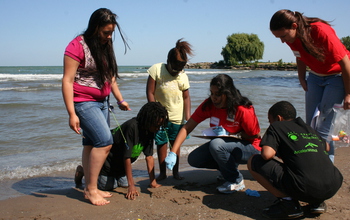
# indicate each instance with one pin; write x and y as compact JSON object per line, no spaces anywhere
{"x":36,"y":32}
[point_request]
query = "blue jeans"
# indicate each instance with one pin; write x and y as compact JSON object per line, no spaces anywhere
{"x":223,"y":154}
{"x":323,"y":92}
{"x":94,"y":121}
{"x":111,"y":182}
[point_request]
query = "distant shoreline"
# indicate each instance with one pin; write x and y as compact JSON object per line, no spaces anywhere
{"x":251,"y":66}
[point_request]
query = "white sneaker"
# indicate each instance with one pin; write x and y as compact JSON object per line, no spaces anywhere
{"x":230,"y":187}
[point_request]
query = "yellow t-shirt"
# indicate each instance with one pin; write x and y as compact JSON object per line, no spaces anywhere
{"x":169,"y":90}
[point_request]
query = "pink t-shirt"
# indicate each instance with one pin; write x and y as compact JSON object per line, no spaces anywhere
{"x":324,"y":36}
{"x":87,"y":86}
{"x":244,"y":120}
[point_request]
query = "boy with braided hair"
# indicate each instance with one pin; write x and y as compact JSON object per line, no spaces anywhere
{"x":130,"y":139}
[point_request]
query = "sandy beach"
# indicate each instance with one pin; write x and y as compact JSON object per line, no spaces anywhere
{"x":195,"y":197}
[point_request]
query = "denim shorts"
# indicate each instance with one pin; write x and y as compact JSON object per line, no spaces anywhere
{"x":111,"y":182}
{"x":94,"y":120}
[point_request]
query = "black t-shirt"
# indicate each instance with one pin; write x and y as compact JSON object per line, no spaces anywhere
{"x":303,"y":152}
{"x":137,"y":140}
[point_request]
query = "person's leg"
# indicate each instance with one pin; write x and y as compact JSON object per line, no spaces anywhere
{"x":162,"y":153}
{"x":313,"y":96}
{"x":262,"y":180}
{"x":95,"y":161}
{"x":269,"y":175}
{"x":221,"y":152}
{"x":171,"y":133}
{"x":122,"y":181}
{"x":97,"y":143}
{"x":202,"y":158}
{"x":161,"y":141}
{"x":78,"y":177}
{"x":85,"y":162}
{"x":229,"y":154}
{"x":176,"y":173}
{"x":333,"y":94}
{"x":106,"y":182}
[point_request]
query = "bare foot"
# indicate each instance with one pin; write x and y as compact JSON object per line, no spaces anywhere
{"x":161,"y":177}
{"x":95,"y":198}
{"x":177,"y":176}
{"x":104,"y":194}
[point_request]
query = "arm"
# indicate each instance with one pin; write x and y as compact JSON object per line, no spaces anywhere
{"x":302,"y":74}
{"x":150,"y":169}
{"x":150,"y":89}
{"x":170,"y":160}
{"x":187,"y":104}
{"x":118,"y":96}
{"x":345,"y":67}
{"x":327,"y":146}
{"x":132,"y":192}
{"x":245,"y":136}
{"x":69,"y":71}
{"x":267,"y":152}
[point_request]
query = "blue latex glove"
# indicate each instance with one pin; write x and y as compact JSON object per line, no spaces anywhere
{"x":219,"y":131}
{"x":250,"y":192}
{"x":170,"y":160}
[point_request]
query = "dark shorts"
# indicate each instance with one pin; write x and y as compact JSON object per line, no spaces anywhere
{"x":273,"y":171}
{"x":168,"y":134}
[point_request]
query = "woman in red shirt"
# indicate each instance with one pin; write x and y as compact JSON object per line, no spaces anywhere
{"x":316,"y":45}
{"x":228,"y":109}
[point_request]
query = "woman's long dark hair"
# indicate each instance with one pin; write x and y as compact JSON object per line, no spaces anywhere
{"x":103,"y":54}
{"x":225,"y":85}
{"x":285,"y":18}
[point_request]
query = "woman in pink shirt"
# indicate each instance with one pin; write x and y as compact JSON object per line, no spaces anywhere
{"x":90,"y":72}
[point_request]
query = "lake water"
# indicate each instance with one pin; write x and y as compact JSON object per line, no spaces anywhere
{"x":36,"y":141}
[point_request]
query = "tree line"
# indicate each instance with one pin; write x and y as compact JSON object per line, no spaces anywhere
{"x":242,"y":48}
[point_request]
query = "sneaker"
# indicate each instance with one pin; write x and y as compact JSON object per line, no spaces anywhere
{"x":283,"y":209}
{"x":229,"y":187}
{"x":319,"y":208}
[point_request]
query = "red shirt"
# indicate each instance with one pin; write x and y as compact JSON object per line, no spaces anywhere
{"x":244,"y":120}
{"x":325,"y":37}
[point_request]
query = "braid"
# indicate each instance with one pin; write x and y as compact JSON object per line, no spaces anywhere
{"x":150,"y":114}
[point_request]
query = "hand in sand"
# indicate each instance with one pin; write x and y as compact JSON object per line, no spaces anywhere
{"x":132,"y":193}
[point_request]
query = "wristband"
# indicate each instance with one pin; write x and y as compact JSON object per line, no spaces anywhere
{"x":120,"y":102}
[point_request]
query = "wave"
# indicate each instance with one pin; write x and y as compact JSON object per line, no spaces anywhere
{"x":27,"y":172}
{"x":22,"y":172}
{"x":29,"y":77}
